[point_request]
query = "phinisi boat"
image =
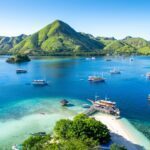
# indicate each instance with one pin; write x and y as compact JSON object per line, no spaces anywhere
{"x":39,"y":82}
{"x":21,"y":71}
{"x":115,"y":71}
{"x":105,"y":106}
{"x":96,"y":79}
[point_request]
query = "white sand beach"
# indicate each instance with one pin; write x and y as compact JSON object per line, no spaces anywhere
{"x":124,"y":133}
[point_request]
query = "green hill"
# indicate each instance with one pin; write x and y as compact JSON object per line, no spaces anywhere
{"x":106,"y":40}
{"x":119,"y":47}
{"x":7,"y":43}
{"x":57,"y":37}
{"x":136,"y":42}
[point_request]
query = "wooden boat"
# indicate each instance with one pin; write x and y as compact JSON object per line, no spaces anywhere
{"x":105,"y":106}
{"x":96,"y":79}
{"x":21,"y":71}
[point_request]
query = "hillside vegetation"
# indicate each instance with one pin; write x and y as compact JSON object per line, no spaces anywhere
{"x":58,"y":38}
{"x":6,"y":43}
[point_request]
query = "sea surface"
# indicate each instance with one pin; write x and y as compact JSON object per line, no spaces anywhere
{"x":25,"y":109}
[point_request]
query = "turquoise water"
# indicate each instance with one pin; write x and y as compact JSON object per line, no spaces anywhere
{"x":21,"y":104}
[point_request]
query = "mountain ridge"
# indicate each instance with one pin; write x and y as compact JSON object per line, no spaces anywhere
{"x":60,"y":38}
{"x":57,"y":37}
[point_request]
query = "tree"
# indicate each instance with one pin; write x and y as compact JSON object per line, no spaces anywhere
{"x":82,"y":127}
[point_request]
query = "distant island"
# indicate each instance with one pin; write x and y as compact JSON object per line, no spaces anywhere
{"x":18,"y":59}
{"x":58,"y":38}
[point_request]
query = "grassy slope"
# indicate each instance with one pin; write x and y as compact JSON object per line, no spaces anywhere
{"x":7,"y":43}
{"x":57,"y":37}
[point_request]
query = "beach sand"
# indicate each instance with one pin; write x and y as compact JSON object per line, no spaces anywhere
{"x":124,"y":133}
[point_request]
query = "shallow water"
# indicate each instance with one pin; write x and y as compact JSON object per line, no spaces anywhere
{"x":21,"y":103}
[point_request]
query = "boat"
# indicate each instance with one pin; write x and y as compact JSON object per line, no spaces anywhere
{"x":64,"y":102}
{"x":96,"y":79}
{"x":131,"y":59}
{"x":115,"y":71}
{"x":148,"y":97}
{"x":21,"y":71}
{"x":105,"y":106}
{"x":86,"y":106}
{"x":39,"y":134}
{"x":39,"y":82}
{"x":93,"y":58}
{"x":148,"y":75}
{"x":108,"y":59}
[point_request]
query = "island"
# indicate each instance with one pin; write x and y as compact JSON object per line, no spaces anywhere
{"x":80,"y":133}
{"x":18,"y":59}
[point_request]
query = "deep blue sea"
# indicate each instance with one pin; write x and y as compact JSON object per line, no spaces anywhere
{"x":67,"y":78}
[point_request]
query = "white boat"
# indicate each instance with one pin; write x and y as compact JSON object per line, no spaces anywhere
{"x":93,"y":58}
{"x":115,"y":71}
{"x":39,"y":82}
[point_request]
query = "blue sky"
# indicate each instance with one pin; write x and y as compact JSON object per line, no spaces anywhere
{"x":118,"y":18}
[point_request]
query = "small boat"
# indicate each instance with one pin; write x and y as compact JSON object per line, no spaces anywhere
{"x":21,"y":71}
{"x":148,"y":97}
{"x":64,"y":102}
{"x":39,"y":82}
{"x":115,"y":71}
{"x":148,"y":75}
{"x":39,"y":134}
{"x":93,"y":58}
{"x":86,"y":106}
{"x":96,"y":79}
{"x":108,"y":59}
{"x":131,"y":59}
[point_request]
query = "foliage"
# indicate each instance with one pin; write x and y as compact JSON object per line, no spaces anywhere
{"x":81,"y":133}
{"x":82,"y":127}
{"x":35,"y":142}
{"x":7,"y":43}
{"x":18,"y":59}
{"x":117,"y":147}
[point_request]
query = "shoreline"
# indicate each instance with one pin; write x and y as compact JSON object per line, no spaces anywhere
{"x":123,"y":132}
